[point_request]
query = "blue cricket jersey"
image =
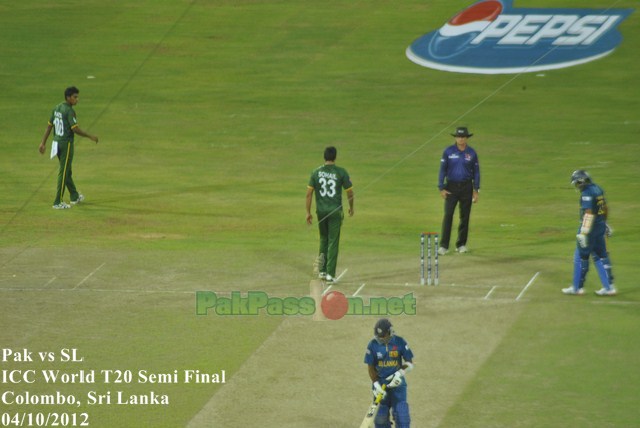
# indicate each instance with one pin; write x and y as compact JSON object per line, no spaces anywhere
{"x":458,"y":166}
{"x":387,"y":359}
{"x":592,"y":198}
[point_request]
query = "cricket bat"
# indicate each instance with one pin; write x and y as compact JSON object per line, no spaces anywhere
{"x":367,"y":422}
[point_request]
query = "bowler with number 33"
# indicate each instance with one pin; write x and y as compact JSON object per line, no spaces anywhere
{"x":327,"y":182}
{"x":389,"y":359}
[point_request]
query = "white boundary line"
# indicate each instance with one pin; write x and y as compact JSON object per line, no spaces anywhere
{"x":89,"y":276}
{"x":527,"y":286}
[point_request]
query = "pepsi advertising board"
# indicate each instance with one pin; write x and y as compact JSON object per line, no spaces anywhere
{"x":493,"y":37}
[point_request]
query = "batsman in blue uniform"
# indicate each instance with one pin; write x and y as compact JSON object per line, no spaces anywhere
{"x":389,"y":359}
{"x":591,"y":237}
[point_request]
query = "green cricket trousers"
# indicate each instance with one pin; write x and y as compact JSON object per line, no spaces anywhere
{"x":65,"y":157}
{"x":329,"y":225}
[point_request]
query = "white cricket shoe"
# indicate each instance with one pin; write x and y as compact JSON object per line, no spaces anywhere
{"x":322,"y":275}
{"x":61,"y":206}
{"x":604,"y":292}
{"x":462,"y":249}
{"x":571,"y":290}
{"x":77,"y":201}
{"x":331,"y":280}
{"x":442,"y":251}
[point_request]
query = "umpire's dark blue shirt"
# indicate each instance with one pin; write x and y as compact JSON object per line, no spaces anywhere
{"x":459,"y":166}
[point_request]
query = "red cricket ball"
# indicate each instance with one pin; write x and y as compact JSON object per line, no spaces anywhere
{"x":334,"y":305}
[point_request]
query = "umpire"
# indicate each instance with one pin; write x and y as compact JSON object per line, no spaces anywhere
{"x":458,"y":181}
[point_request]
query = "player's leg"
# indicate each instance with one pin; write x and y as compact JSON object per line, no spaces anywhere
{"x":580,"y":269}
{"x":447,"y":221}
{"x":73,"y":192}
{"x":602,"y":273}
{"x":398,"y":397}
{"x":582,"y":259}
{"x":401,"y":415}
{"x":382,"y":419}
{"x":63,"y":160}
{"x":323,"y":228}
{"x":333,"y":247}
{"x":577,"y":270}
{"x":466,"y":201}
{"x":601,"y":261}
{"x":606,"y":261}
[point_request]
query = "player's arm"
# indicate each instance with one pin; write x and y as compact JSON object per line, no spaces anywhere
{"x":76,"y":130}
{"x":476,"y":174}
{"x":608,"y":229}
{"x":587,"y":222}
{"x":308,"y":204}
{"x":442,"y":175}
{"x":350,"y":198}
{"x":604,"y":209}
{"x":407,"y":366}
{"x":45,"y":137}
{"x":377,"y":387}
{"x":476,"y":180}
{"x":373,"y":373}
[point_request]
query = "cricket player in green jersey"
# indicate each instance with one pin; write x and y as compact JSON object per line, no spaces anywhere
{"x":65,"y":126}
{"x":327,"y":183}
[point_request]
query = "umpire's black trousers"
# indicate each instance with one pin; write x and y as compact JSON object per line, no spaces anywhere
{"x":458,"y":192}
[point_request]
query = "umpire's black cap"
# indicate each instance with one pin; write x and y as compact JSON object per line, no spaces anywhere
{"x":461,"y":131}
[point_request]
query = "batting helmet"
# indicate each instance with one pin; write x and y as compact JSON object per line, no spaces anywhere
{"x":382,"y":329}
{"x":580,"y":178}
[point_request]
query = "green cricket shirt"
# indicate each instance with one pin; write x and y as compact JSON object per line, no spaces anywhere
{"x":328,"y":182}
{"x":63,"y":119}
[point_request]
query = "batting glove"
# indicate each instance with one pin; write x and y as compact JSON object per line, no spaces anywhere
{"x":395,"y":379}
{"x":377,"y":390}
{"x":608,"y":231}
{"x":582,"y":240}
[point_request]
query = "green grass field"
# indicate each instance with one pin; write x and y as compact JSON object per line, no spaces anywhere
{"x":211,"y":116}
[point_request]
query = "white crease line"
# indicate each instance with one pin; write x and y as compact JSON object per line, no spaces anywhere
{"x":110,"y":290}
{"x":527,"y":286}
{"x":50,"y":281}
{"x":490,"y":292}
{"x":613,"y":302}
{"x":341,"y":275}
{"x":358,"y":290}
{"x":89,"y":276}
{"x":327,"y":290}
{"x":228,"y":293}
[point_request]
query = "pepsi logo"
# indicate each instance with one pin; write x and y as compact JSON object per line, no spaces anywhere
{"x":472,"y":19}
{"x":492,"y":37}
